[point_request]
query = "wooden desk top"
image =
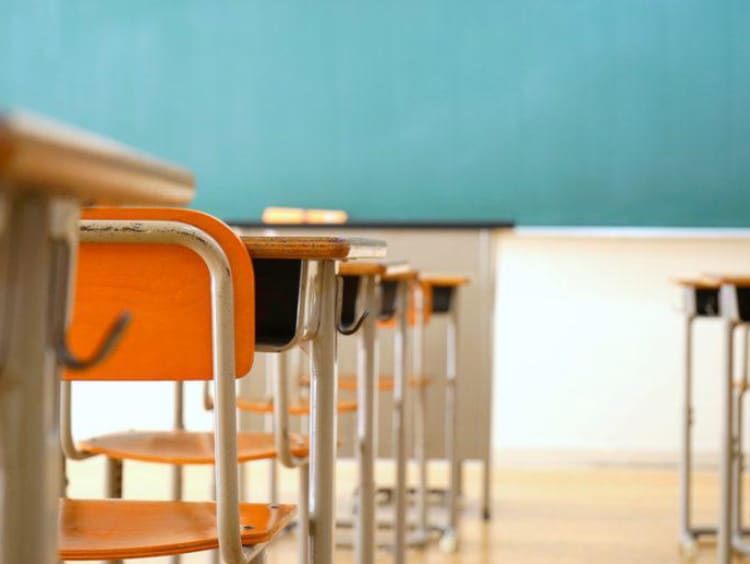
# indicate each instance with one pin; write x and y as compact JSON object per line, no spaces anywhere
{"x":44,"y":156}
{"x":313,"y":248}
{"x":451,"y":280}
{"x":372,"y":268}
{"x":698,"y":282}
{"x":400,"y":274}
{"x":731,"y":279}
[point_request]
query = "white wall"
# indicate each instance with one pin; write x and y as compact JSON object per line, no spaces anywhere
{"x":589,"y":339}
{"x":588,"y":347}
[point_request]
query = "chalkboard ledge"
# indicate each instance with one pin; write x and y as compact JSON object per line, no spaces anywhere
{"x":360,"y":224}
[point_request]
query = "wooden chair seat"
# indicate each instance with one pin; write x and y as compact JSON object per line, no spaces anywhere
{"x":385,"y":383}
{"x":185,"y":447}
{"x":263,"y":405}
{"x":108,"y":529}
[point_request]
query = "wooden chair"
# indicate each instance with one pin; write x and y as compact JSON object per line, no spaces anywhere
{"x":187,"y":282}
{"x":47,"y":172}
{"x":177,"y":447}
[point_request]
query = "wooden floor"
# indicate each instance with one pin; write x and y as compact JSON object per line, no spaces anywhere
{"x":587,"y":515}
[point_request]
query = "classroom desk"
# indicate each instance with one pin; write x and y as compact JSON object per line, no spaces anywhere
{"x":460,"y":247}
{"x":47,"y":171}
{"x":304,"y":269}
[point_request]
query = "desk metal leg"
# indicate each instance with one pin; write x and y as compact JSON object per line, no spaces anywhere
{"x":688,"y":542}
{"x":323,"y":400}
{"x":449,"y":541}
{"x":400,"y":357}
{"x":420,"y":420}
{"x":29,"y":432}
{"x":738,"y":542}
{"x":724,"y":533}
{"x":487,"y":288}
{"x":737,"y":454}
{"x":366,"y":392}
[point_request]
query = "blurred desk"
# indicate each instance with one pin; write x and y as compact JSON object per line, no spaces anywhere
{"x":433,"y":246}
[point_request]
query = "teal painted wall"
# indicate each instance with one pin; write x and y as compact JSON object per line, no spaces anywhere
{"x":547,"y":112}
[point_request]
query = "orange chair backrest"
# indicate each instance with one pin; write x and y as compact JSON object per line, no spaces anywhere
{"x":166,"y":288}
{"x":426,"y":306}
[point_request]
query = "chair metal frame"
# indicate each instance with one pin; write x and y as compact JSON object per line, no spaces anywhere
{"x":222,"y":324}
{"x":276,"y":373}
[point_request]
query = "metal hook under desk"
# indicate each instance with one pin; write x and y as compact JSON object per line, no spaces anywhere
{"x":341,"y":328}
{"x":354,"y":327}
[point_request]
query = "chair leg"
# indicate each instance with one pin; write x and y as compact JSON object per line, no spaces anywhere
{"x":177,"y":487}
{"x":114,"y":478}
{"x":487,"y":487}
{"x":64,"y":483}
{"x":260,"y":558}
{"x":114,"y":486}
{"x":243,"y":482}
{"x":215,"y":555}
{"x":273,"y":469}
{"x":304,"y":515}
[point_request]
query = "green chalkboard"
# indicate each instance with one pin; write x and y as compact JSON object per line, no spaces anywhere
{"x":546,"y":112}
